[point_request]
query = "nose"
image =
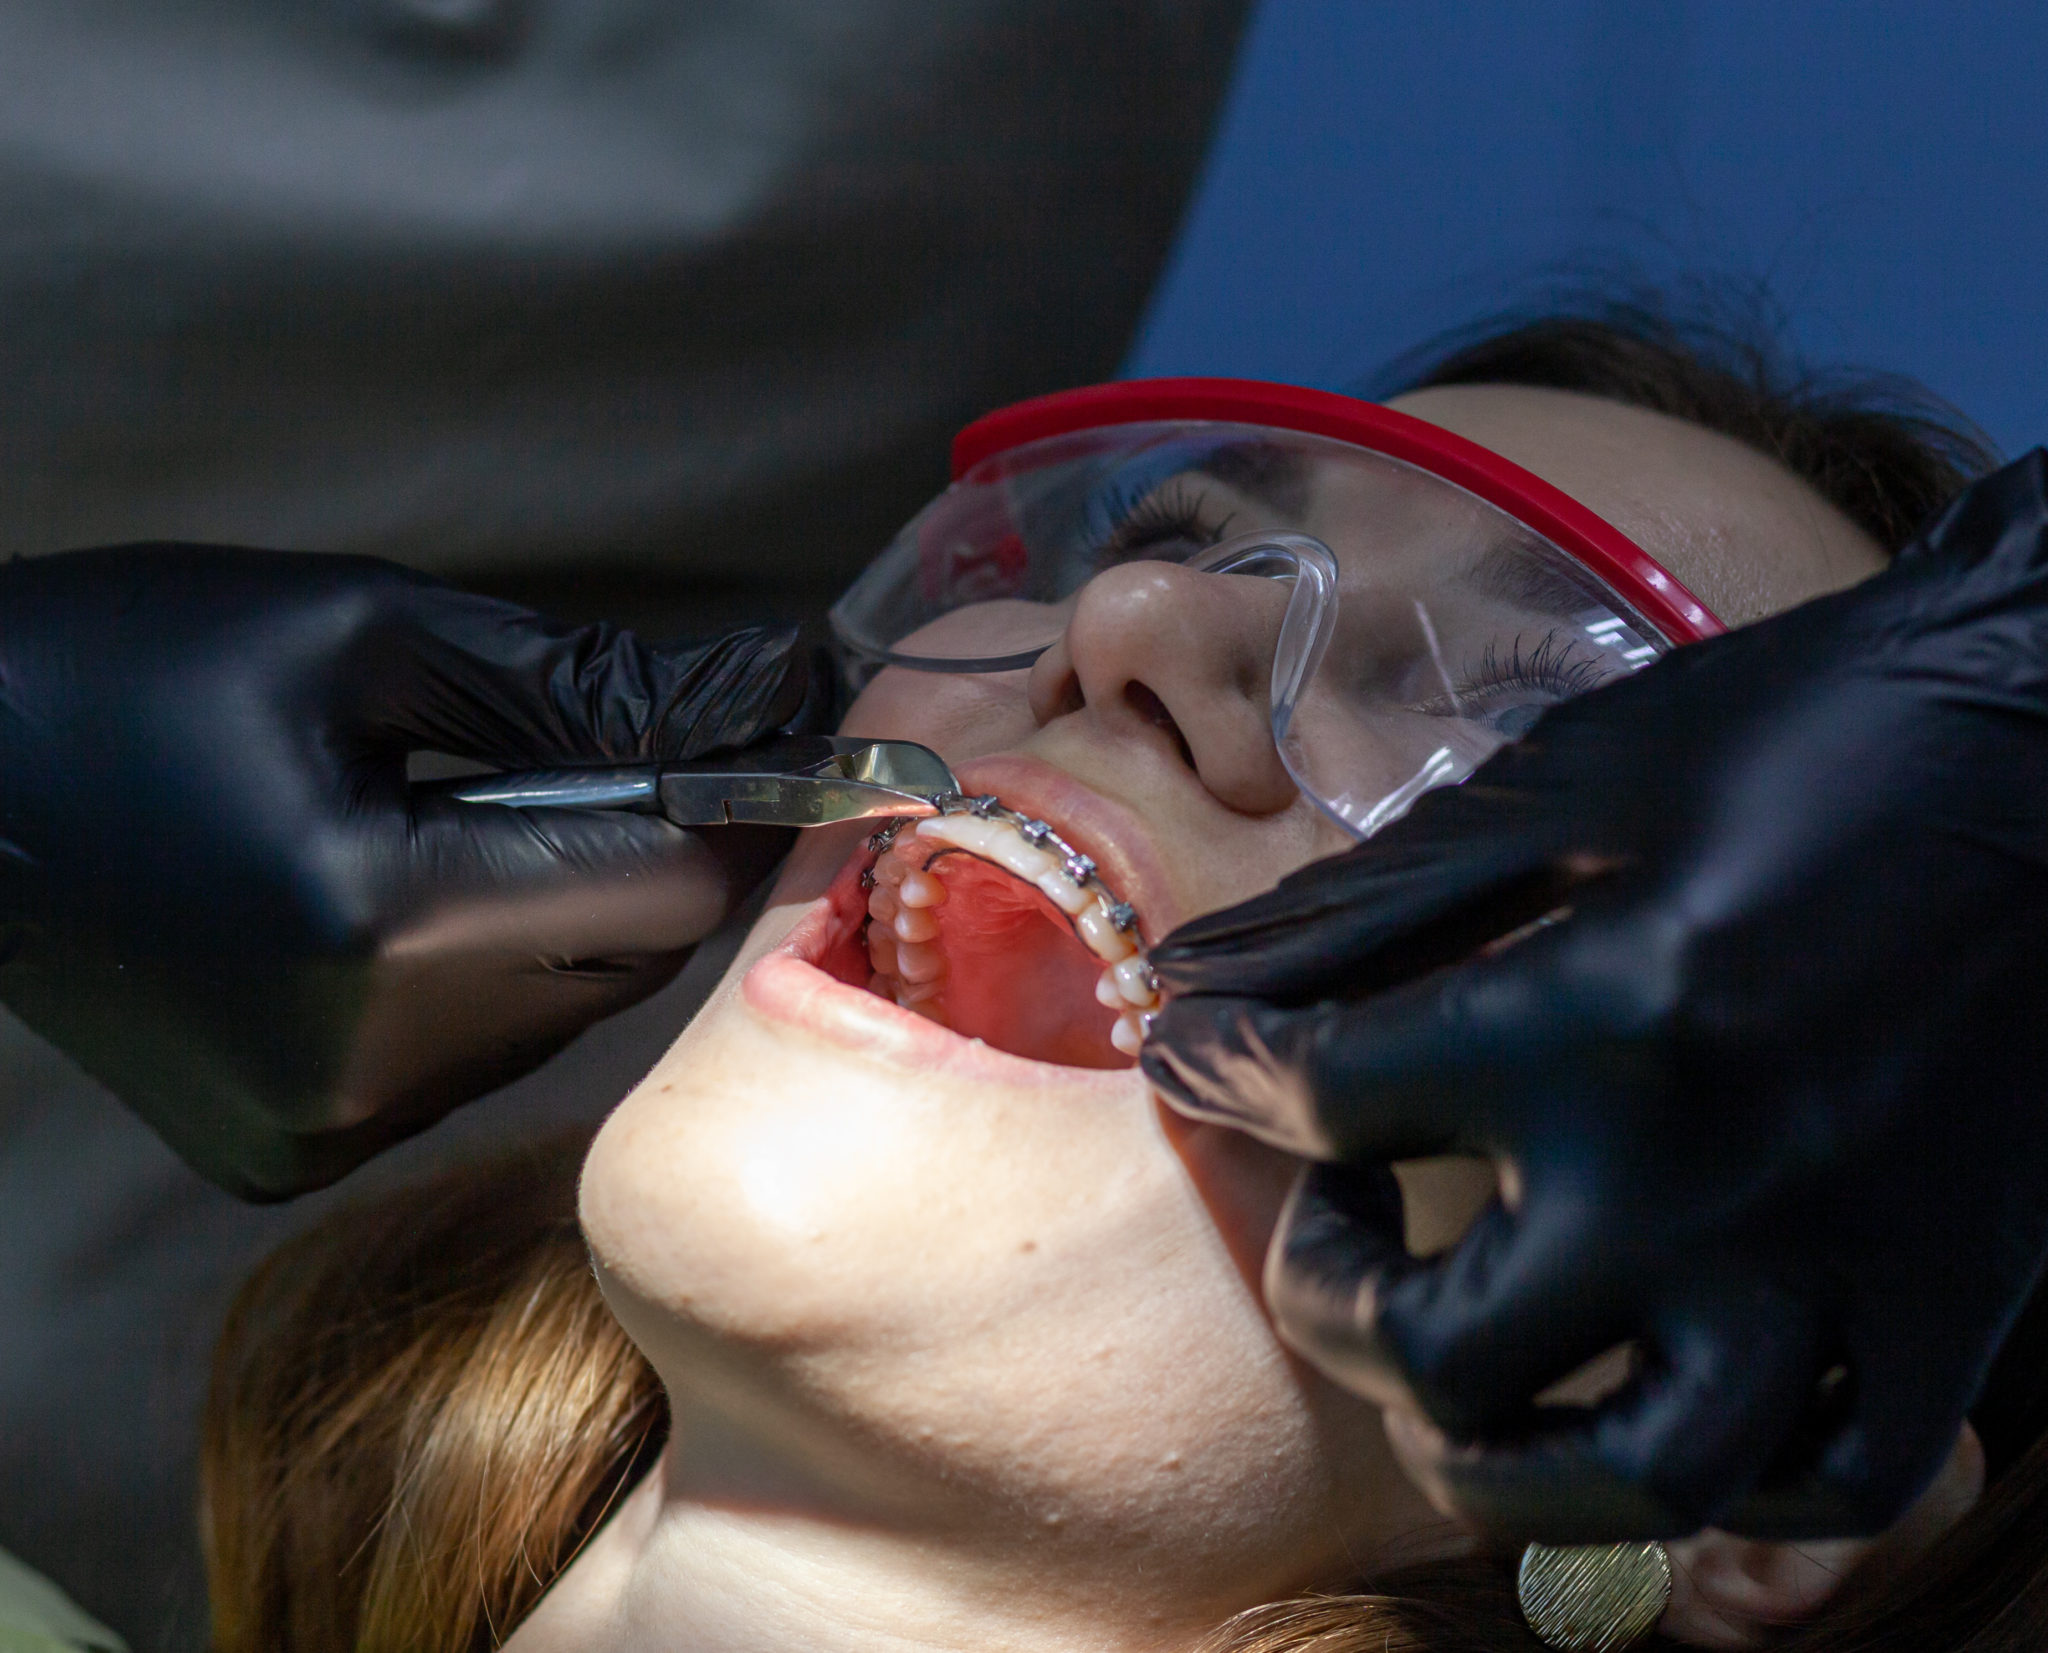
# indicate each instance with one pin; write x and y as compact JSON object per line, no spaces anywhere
{"x":1179,"y":660}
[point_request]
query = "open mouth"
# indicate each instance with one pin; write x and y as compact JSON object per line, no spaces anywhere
{"x":989,"y":923}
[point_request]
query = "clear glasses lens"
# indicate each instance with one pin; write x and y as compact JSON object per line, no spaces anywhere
{"x":1424,"y":628}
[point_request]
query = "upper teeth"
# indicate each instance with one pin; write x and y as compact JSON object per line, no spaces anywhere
{"x":1029,"y":848}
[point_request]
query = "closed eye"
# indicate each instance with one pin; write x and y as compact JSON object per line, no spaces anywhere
{"x":1168,"y":523}
{"x":1507,"y":690}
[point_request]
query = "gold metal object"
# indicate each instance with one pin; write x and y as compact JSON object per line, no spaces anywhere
{"x":1593,"y":1598}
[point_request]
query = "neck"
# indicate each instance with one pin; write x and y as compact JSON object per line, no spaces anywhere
{"x":732,"y":1545}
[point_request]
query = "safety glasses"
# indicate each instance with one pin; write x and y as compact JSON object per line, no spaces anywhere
{"x":1421,"y":600}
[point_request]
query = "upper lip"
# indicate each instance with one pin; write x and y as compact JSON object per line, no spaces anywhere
{"x":1107,"y":833}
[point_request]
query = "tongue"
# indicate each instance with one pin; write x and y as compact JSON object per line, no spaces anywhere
{"x":1017,"y":977}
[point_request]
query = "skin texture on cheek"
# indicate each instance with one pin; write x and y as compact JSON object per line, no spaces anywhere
{"x":959,"y":716}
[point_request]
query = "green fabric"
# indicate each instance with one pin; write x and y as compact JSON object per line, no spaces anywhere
{"x":37,"y":1617}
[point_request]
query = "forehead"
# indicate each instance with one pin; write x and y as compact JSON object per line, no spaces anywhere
{"x":1737,"y":528}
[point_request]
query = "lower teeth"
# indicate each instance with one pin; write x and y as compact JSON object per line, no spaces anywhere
{"x":902,"y":930}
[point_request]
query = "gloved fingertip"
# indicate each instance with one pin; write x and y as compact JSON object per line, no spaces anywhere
{"x":1342,"y":1222}
{"x":1209,"y":1061}
{"x":1243,"y":950}
{"x":1337,"y":1249}
{"x":2001,"y":517}
{"x":808,"y":703}
{"x":1187,"y":1084}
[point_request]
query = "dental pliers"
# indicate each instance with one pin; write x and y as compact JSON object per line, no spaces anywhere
{"x":797,"y":781}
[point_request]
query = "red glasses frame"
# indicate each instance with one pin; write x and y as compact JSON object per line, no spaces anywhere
{"x":1631,"y":572}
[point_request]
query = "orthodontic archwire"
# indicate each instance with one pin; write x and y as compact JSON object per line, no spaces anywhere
{"x":1038,"y":834}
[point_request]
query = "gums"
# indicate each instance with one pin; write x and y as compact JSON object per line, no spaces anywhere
{"x":986,"y":922}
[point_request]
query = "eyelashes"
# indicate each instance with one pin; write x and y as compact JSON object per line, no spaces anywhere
{"x":1168,"y":523}
{"x":1556,"y":666}
{"x":1511,"y":687}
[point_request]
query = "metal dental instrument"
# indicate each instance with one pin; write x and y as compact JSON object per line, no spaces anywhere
{"x":799,"y":781}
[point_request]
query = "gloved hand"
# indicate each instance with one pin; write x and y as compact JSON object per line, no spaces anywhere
{"x":1735,"y":970}
{"x":217,"y":896}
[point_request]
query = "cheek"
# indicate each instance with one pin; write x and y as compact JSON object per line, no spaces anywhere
{"x":1220,"y":859}
{"x":959,"y":717}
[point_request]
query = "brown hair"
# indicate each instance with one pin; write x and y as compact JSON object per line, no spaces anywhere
{"x":421,"y":1408}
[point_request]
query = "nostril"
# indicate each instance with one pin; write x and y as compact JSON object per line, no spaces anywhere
{"x":1153,"y":710}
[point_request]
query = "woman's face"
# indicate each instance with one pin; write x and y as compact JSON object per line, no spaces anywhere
{"x":1008,"y":1306}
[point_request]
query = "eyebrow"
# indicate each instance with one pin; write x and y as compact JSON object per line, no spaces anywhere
{"x":1266,"y":471}
{"x":1278,"y":476}
{"x":1507,"y":571}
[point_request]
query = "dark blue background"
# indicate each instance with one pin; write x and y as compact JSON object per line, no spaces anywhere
{"x":1384,"y":172}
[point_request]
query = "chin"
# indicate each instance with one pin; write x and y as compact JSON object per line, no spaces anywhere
{"x":960,"y":1259}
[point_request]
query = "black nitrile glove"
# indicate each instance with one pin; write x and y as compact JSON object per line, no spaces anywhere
{"x":1769,"y":1091}
{"x":218,"y":897}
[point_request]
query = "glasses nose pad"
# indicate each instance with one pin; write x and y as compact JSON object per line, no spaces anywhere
{"x":1305,"y":629}
{"x":1359,"y":772}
